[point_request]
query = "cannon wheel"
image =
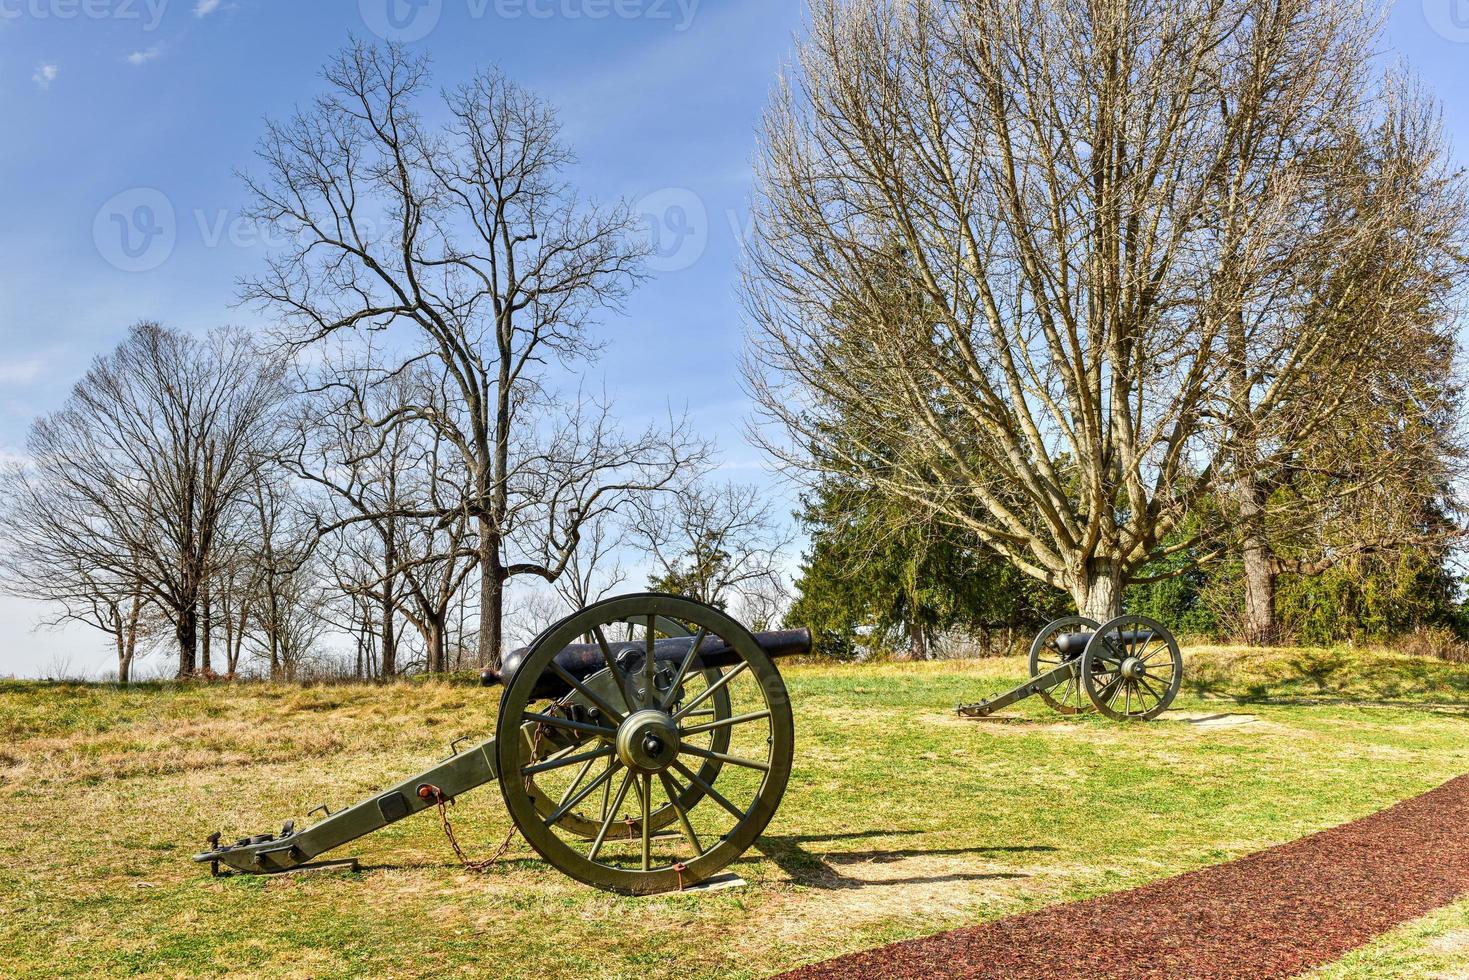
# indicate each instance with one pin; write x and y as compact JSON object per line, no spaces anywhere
{"x":643,"y":755}
{"x":587,"y":827}
{"x":1067,"y":698}
{"x":1132,"y":669}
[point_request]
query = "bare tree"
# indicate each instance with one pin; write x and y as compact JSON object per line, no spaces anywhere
{"x":394,"y":502}
{"x":133,"y":478}
{"x":38,"y":563}
{"x":290,"y":618}
{"x":713,"y":542}
{"x":594,"y":570}
{"x":467,"y":236}
{"x":235,"y":586}
{"x":364,"y":471}
{"x":436,"y":555}
{"x":1053,"y":271}
{"x":1386,"y":454}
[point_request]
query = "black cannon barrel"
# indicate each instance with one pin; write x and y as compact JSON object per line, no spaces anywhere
{"x":582,"y":660}
{"x":1073,"y":643}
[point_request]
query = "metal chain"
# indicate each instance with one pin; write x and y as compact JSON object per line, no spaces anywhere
{"x":483,"y":865}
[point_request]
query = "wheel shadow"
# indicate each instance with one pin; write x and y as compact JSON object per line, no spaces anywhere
{"x":806,"y":867}
{"x":1223,"y":719}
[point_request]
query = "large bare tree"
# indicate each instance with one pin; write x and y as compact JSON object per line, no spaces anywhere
{"x":1055,"y":270}
{"x":133,"y":479}
{"x":464,"y":240}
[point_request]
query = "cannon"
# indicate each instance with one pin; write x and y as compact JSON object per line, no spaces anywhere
{"x":1129,"y":669}
{"x":642,"y":744}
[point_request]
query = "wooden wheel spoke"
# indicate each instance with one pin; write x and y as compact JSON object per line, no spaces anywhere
{"x":565,"y":761}
{"x":709,"y":791}
{"x":725,"y":723}
{"x":611,"y":662}
{"x":1151,"y":691}
{"x":709,"y":691}
{"x":733,"y":760}
{"x":569,"y":725}
{"x":587,"y":693}
{"x":612,"y":765}
{"x":646,"y":792}
{"x":683,"y":670}
{"x":611,"y":815}
{"x":571,"y":804}
{"x":674,"y":793}
{"x":581,"y":774}
{"x":650,"y":665}
{"x":1109,"y":690}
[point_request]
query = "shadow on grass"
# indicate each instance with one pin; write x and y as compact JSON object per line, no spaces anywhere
{"x":821,"y":870}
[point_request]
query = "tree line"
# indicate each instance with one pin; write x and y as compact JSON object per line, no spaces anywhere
{"x":205,"y":494}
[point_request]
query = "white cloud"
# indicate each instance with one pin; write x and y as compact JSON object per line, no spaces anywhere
{"x":45,"y":75}
{"x":203,"y":8}
{"x":21,"y":371}
{"x":139,"y":58}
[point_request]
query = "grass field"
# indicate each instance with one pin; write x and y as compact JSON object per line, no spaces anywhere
{"x":901,"y":820}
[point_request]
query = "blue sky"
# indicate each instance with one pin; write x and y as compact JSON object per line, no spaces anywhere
{"x":115,"y":105}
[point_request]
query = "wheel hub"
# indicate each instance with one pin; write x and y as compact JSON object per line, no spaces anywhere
{"x":1133,"y":668}
{"x":647,"y":741}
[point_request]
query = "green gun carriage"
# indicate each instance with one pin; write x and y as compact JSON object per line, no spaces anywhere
{"x":642,"y":745}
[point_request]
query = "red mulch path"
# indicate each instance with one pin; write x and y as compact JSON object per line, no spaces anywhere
{"x":1272,"y":914}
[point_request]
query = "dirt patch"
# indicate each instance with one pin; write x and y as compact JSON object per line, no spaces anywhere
{"x":1275,"y":913}
{"x":873,"y":887}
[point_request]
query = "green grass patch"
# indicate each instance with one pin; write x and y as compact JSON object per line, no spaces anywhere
{"x":901,"y":820}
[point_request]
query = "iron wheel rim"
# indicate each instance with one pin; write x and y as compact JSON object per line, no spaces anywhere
{"x":1044,"y":656}
{"x":1104,"y":675}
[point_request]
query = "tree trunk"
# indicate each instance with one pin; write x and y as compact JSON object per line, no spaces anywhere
{"x":127,"y":642}
{"x":124,"y":656}
{"x":237,"y":641}
{"x":1259,"y":626}
{"x":390,"y":635}
{"x":491,"y":598}
{"x":187,"y":631}
{"x":206,"y":626}
{"x":917,"y":640}
{"x":438,"y":651}
{"x":1098,"y":592}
